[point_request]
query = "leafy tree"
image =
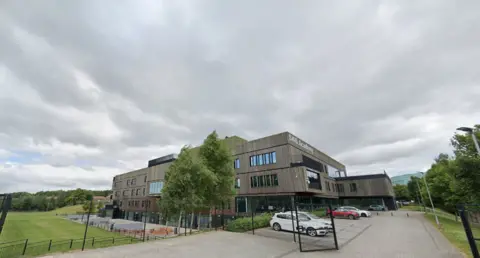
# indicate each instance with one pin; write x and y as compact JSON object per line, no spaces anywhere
{"x":86,"y":207}
{"x":186,"y":183}
{"x":401,"y":192}
{"x":217,"y":157}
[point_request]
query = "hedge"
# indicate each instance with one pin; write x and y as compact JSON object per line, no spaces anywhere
{"x":245,"y":224}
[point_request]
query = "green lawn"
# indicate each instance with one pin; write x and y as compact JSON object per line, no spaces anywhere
{"x":68,"y":210}
{"x":455,"y":233}
{"x":41,"y":227}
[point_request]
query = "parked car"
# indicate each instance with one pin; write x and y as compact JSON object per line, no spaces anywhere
{"x":377,"y":208}
{"x":343,"y":213}
{"x":285,"y":221}
{"x":312,"y":217}
{"x":363,"y":213}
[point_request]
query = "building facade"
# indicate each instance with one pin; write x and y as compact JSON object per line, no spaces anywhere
{"x":269,"y":171}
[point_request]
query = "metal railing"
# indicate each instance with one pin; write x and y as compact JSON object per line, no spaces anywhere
{"x":29,"y":248}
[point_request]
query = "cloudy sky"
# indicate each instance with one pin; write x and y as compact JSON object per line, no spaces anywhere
{"x":90,"y":89}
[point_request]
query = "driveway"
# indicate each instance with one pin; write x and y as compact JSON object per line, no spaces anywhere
{"x":388,"y":236}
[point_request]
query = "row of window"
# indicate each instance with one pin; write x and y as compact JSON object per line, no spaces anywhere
{"x":263,"y":159}
{"x":133,"y":192}
{"x":264,"y":181}
{"x":131,"y":182}
{"x":145,"y":203}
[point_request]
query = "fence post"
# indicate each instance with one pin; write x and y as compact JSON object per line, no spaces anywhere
{"x":468,"y":232}
{"x":50,"y":245}
{"x":93,"y":241}
{"x":25,"y":247}
{"x":113,"y":240}
{"x":71,"y":243}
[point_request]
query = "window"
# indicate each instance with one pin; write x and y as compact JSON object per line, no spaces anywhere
{"x":132,"y":192}
{"x":264,"y":181}
{"x":124,"y":193}
{"x":116,"y":193}
{"x":263,"y":159}
{"x":133,"y":182}
{"x":128,"y":182}
{"x":143,"y":204}
{"x":137,"y":192}
{"x":341,"y":189}
{"x":236,"y":163}
{"x":327,"y":184}
{"x":353,"y":187}
{"x":314,"y":180}
{"x":120,"y":204}
{"x":333,"y":187}
{"x":237,"y":183}
{"x":145,"y":179}
{"x":144,"y":191}
{"x":155,"y":187}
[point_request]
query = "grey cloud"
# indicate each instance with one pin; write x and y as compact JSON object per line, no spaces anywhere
{"x":329,"y":73}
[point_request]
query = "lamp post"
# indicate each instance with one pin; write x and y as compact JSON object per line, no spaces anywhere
{"x":89,"y":198}
{"x":145,"y":220}
{"x":470,"y":131}
{"x":430,"y":197}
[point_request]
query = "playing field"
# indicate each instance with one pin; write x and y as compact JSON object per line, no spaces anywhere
{"x":41,"y":226}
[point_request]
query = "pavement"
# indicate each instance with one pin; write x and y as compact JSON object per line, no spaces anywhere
{"x":381,"y":236}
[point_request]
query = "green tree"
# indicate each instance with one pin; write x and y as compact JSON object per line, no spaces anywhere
{"x":186,"y":183}
{"x":86,"y":207}
{"x":217,"y":157}
{"x":401,"y":192}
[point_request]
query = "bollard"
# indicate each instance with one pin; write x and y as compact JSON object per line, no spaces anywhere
{"x":407,"y":215}
{"x":377,"y":213}
{"x":392,"y":213}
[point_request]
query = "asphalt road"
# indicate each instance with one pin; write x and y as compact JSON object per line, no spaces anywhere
{"x":396,"y":236}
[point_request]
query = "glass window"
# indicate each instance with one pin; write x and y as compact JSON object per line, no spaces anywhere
{"x":268,"y":180}
{"x":274,"y":180}
{"x":260,"y":181}
{"x":255,"y":181}
{"x":251,"y":182}
{"x":128,"y":182}
{"x":274,"y":157}
{"x":314,"y":180}
{"x":260,"y":159}
{"x":132,"y":192}
{"x":237,"y":183}
{"x":145,"y":179}
{"x":236,"y":163}
{"x":267,"y":158}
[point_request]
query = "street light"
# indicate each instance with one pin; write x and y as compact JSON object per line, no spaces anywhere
{"x":470,"y":131}
{"x":430,"y":197}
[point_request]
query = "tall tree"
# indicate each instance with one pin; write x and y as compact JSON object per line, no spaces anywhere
{"x":217,"y":157}
{"x":186,"y":183}
{"x":401,"y":192}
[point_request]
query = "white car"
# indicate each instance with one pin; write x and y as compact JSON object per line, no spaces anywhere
{"x":309,"y":226}
{"x":362,"y":213}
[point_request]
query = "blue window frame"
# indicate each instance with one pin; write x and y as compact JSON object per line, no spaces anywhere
{"x":263,"y":159}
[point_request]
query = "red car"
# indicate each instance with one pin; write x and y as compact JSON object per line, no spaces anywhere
{"x":343,"y":213}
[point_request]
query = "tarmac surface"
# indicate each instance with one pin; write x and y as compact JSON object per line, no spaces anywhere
{"x":381,"y":236}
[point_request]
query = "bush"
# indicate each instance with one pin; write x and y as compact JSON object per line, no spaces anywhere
{"x":245,"y":224}
{"x":320,"y":212}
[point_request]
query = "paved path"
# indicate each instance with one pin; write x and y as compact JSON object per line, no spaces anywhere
{"x":393,"y":237}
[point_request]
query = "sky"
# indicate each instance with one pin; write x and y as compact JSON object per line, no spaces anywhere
{"x":90,"y":89}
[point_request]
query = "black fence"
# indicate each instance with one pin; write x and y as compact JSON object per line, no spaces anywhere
{"x":5,"y":204}
{"x":27,"y":248}
{"x":296,"y":224}
{"x":470,"y":216}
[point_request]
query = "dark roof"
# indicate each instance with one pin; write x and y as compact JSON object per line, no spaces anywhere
{"x":362,"y":177}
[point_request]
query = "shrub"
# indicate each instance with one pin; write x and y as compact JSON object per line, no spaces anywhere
{"x":320,"y":212}
{"x":245,"y":224}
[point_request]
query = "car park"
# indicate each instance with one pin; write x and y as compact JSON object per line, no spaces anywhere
{"x":376,"y":208}
{"x":344,"y":213}
{"x":362,"y":213}
{"x":306,"y":225}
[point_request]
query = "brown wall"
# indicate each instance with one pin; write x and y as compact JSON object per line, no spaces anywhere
{"x":368,"y":187}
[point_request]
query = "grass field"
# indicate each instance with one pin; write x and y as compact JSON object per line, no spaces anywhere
{"x":41,"y":227}
{"x":68,"y":210}
{"x":455,"y":233}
